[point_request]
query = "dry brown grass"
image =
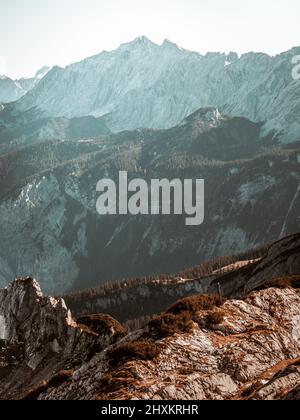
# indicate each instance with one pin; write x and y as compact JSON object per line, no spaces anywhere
{"x":169,"y":324}
{"x":54,"y":382}
{"x":102,"y":324}
{"x":285,"y":282}
{"x":178,"y":319}
{"x":215,"y":318}
{"x":115,"y":381}
{"x":134,"y":350}
{"x":194,"y":304}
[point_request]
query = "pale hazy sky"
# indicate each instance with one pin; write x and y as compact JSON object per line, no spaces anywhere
{"x":34,"y":33}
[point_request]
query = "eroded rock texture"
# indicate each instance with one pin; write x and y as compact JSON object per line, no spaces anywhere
{"x":240,"y":349}
{"x":39,"y":338}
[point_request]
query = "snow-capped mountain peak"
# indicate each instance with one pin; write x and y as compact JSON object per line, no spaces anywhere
{"x":142,"y":40}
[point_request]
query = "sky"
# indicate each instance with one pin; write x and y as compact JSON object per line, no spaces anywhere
{"x":34,"y":33}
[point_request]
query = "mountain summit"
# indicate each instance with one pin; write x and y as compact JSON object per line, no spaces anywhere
{"x":12,"y":90}
{"x":142,"y":84}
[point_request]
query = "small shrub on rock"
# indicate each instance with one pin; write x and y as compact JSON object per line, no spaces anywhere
{"x":194,"y":304}
{"x":168,"y":324}
{"x":103,"y":324}
{"x":134,"y":350}
{"x":215,"y":318}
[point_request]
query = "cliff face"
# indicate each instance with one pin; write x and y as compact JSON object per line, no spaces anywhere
{"x":48,"y":201}
{"x":202,"y":348}
{"x":253,"y":353}
{"x":38,"y":337}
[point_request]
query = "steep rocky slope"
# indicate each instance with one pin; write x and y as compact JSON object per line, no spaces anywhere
{"x":39,"y":339}
{"x":253,"y":353}
{"x":10,"y":90}
{"x":48,"y":201}
{"x":201,"y":348}
{"x":142,"y":84}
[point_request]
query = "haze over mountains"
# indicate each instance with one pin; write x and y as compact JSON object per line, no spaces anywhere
{"x":48,"y":200}
{"x":233,"y":121}
{"x":157,"y":112}
{"x":12,"y":90}
{"x":142,"y":84}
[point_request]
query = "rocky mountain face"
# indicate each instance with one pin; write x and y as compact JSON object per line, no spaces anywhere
{"x":29,"y":83}
{"x":56,"y":143}
{"x":38,"y":337}
{"x":252,"y":354}
{"x":12,"y":90}
{"x":48,"y":198}
{"x":202,"y":347}
{"x":142,"y":84}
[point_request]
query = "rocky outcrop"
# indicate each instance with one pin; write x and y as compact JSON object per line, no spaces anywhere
{"x":254,"y":353}
{"x":234,"y":349}
{"x":38,"y":334}
{"x":281,"y":260}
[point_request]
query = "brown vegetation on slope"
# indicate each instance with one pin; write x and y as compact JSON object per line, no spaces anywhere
{"x":133,"y":350}
{"x":103,"y":324}
{"x":178,"y":319}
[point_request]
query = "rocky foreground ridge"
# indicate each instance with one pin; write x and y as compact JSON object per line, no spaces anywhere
{"x":202,"y":347}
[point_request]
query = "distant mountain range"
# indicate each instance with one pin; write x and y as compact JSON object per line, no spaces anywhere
{"x":48,"y":196}
{"x":12,"y":90}
{"x":142,"y":84}
{"x":157,"y":112}
{"x":234,"y":121}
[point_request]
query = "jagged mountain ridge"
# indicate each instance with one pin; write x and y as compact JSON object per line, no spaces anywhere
{"x":143,"y":298}
{"x":142,"y":84}
{"x":238,"y":349}
{"x":12,"y":90}
{"x":48,"y":201}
